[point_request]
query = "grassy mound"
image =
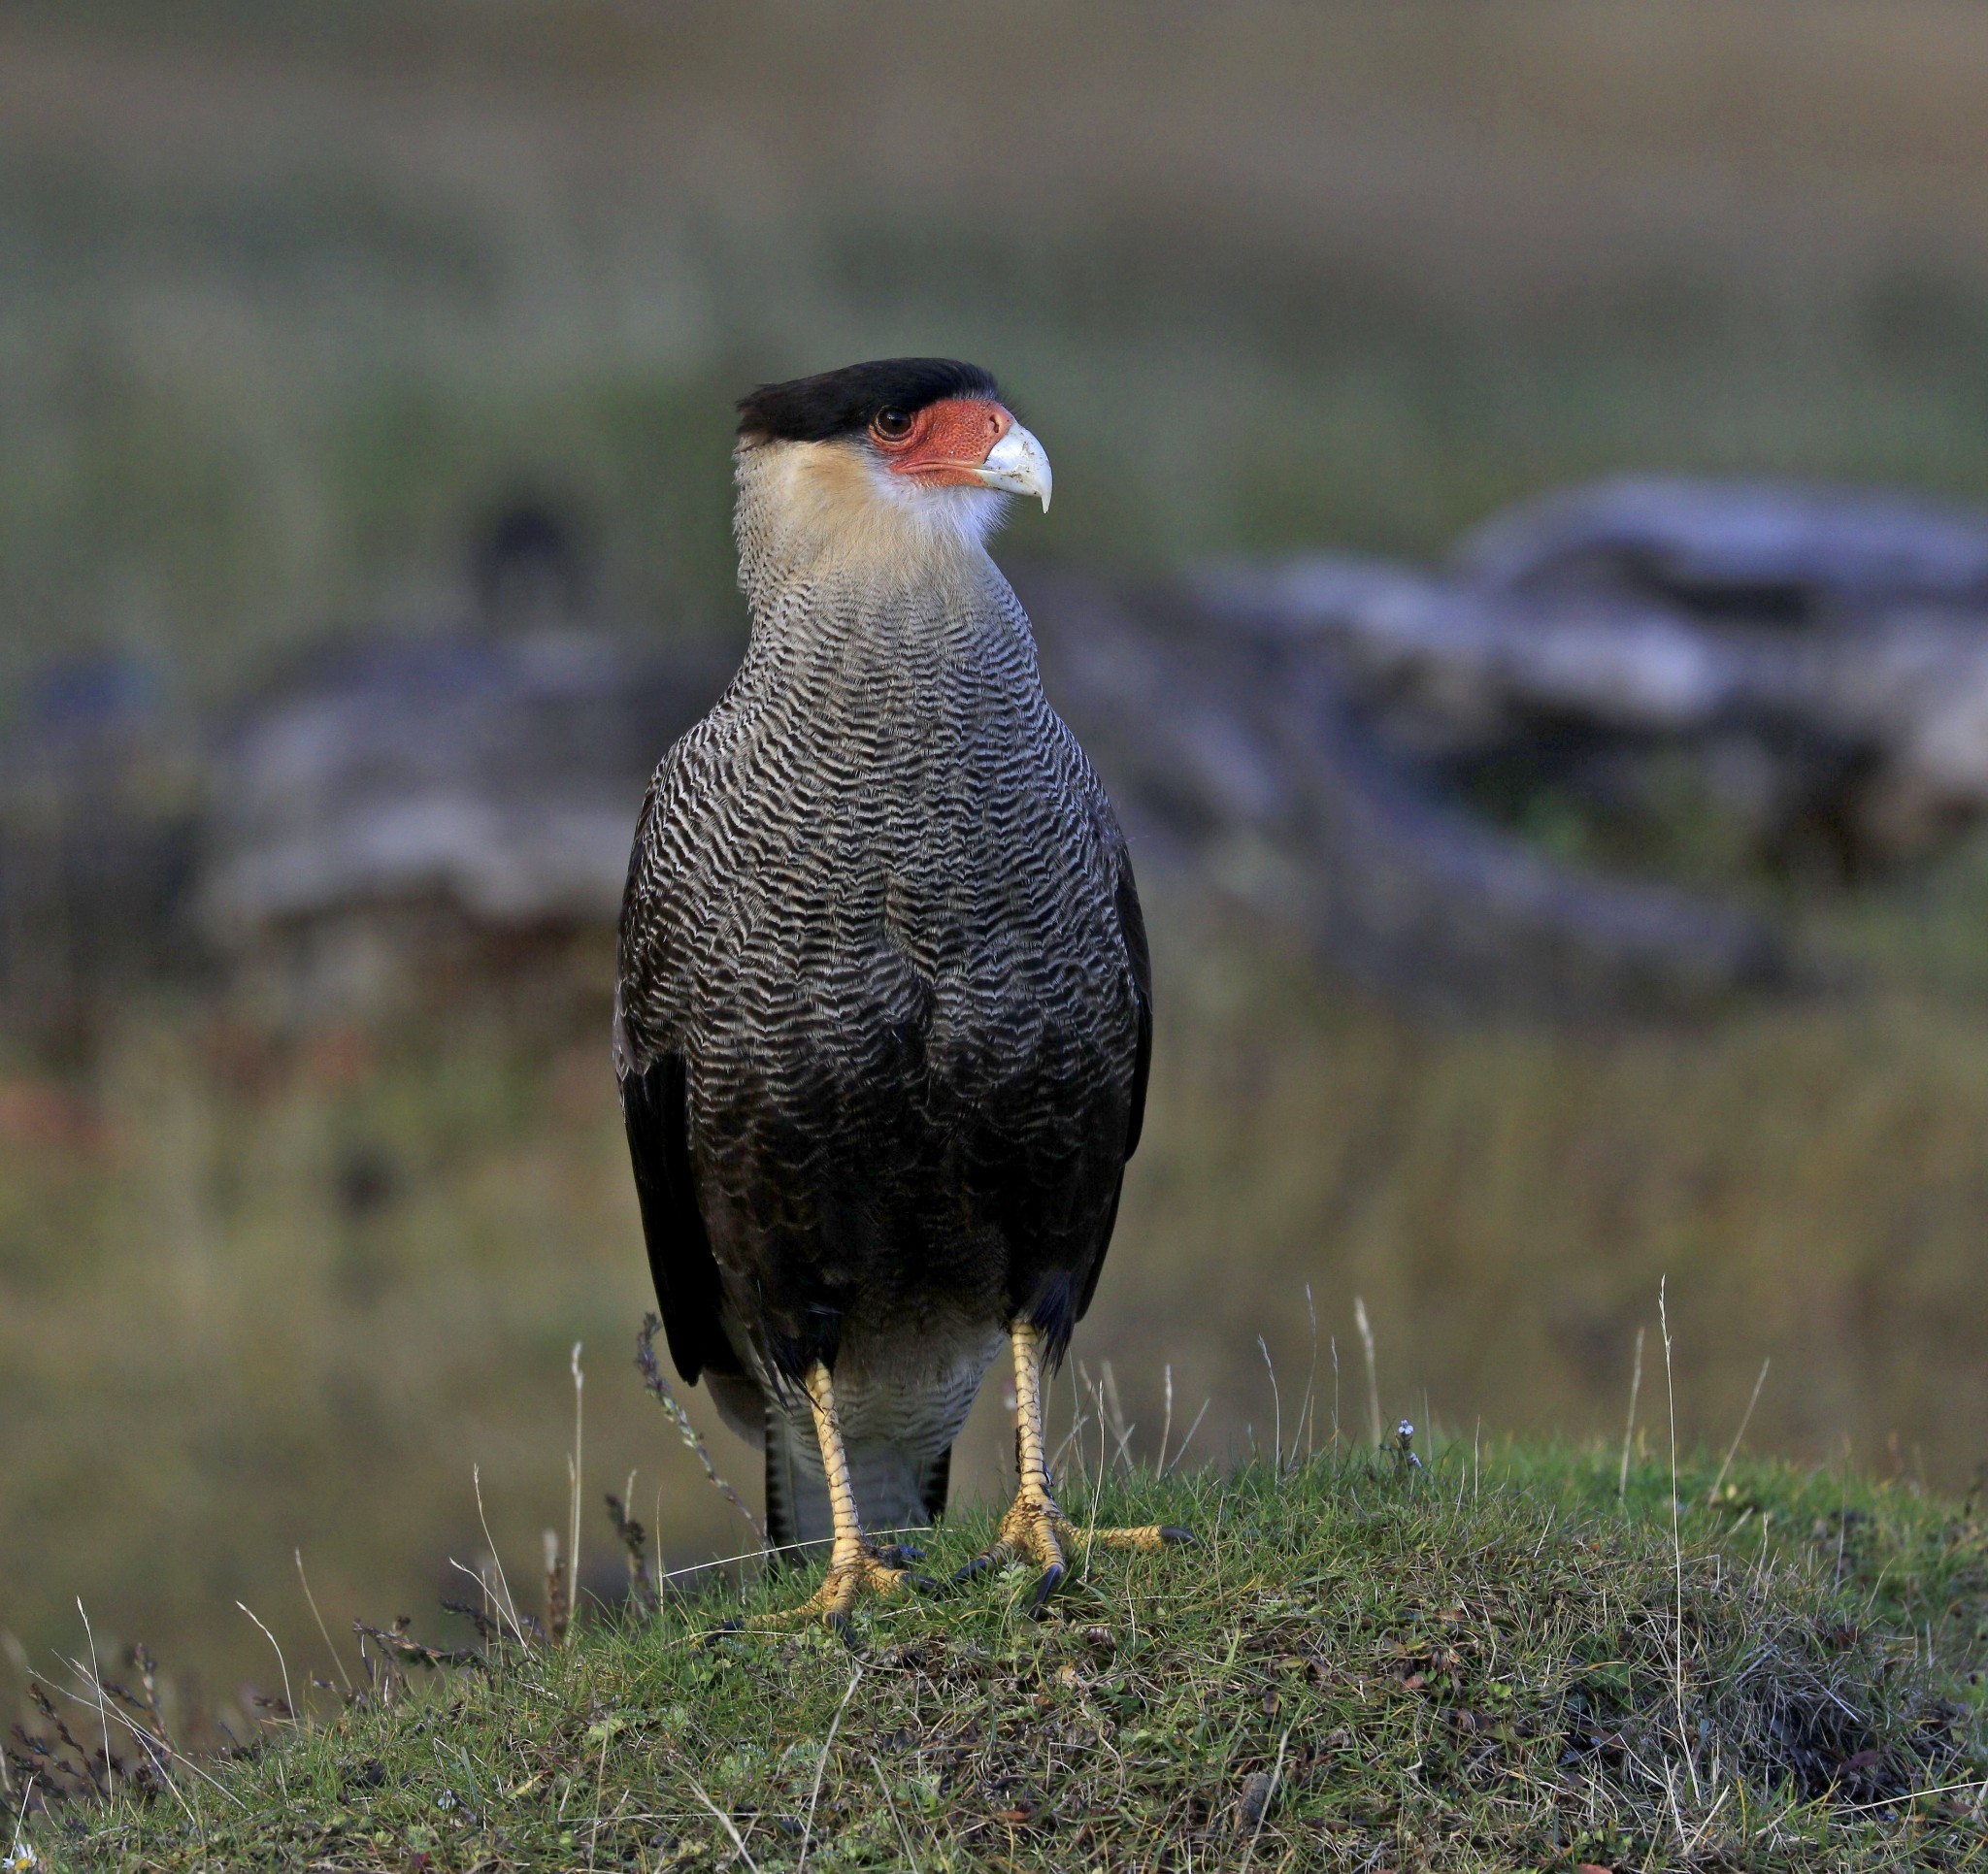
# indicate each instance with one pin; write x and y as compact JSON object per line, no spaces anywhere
{"x":1487,"y":1662}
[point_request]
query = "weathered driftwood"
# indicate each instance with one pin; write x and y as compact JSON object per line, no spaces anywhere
{"x":1290,"y":735}
{"x":100,"y":789}
{"x":1235,"y":758}
{"x":498,"y":774}
{"x":1872,"y":719}
{"x":398,"y":792}
{"x":1766,"y":551}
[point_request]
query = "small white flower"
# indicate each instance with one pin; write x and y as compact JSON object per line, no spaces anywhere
{"x":20,"y":1858}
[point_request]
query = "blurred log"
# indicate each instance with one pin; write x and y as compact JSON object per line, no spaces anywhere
{"x":100,"y":792}
{"x":1874,"y":721}
{"x":499,"y":774}
{"x":1760,"y":551}
{"x":393,"y":795}
{"x":1235,"y":759}
{"x":400,"y":794}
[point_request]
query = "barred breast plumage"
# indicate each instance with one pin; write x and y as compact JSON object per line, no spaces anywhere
{"x":882,"y":1017}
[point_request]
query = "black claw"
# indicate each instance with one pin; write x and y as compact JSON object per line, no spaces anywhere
{"x":1052,"y":1579}
{"x":899,"y":1554}
{"x":1171,"y":1532}
{"x":924,"y":1584}
{"x":719,"y":1631}
{"x":839,"y":1626}
{"x":978,"y":1565}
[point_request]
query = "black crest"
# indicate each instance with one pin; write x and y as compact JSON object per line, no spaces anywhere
{"x":845,"y":402}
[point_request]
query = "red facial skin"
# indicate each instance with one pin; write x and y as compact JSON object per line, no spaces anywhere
{"x":946,"y":443}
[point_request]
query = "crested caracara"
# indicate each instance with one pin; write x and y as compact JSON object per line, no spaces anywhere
{"x":883,"y":1010}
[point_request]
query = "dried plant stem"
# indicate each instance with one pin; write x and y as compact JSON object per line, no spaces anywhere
{"x":820,"y":1768}
{"x":1333,"y":1342}
{"x":1307,"y":1411}
{"x":496,"y":1559}
{"x":1629,"y":1431}
{"x":665,"y":1395}
{"x":558,"y":1606}
{"x":1269,"y":1795}
{"x":97,"y":1680}
{"x":726,"y":1824}
{"x":882,"y":1783}
{"x":1372,"y":1380}
{"x":1121,"y":1431}
{"x":280,"y":1667}
{"x":1676,"y":1538}
{"x":337,"y":1664}
{"x":20,"y":1818}
{"x":1188,"y":1440}
{"x":574,"y":1476}
{"x":1166,"y":1425}
{"x":1276,"y":1409}
{"x":1732,"y":1450}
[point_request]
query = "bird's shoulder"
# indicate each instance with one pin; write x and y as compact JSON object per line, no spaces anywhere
{"x":670,"y":836}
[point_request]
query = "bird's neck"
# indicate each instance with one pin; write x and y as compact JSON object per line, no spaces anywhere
{"x":826,"y":566}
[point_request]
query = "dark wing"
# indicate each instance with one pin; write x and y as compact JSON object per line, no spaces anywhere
{"x":655,"y":1092}
{"x":1132,"y":922}
{"x":656,"y":1108}
{"x":1132,"y":926}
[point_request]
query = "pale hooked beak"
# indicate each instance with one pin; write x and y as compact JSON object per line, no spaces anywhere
{"x":1017,"y":464}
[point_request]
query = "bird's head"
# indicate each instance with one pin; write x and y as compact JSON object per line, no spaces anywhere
{"x":905,"y":458}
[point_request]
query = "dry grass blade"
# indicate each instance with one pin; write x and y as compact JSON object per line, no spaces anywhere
{"x":1372,"y":1377}
{"x":883,"y":1786}
{"x":1629,"y":1430}
{"x":573,"y":1477}
{"x":496,"y":1561}
{"x":337,"y":1664}
{"x":1277,"y":1408}
{"x":665,"y":1395}
{"x":290,"y":1703}
{"x":1676,"y":1538}
{"x":1114,"y":1416}
{"x":822,"y":1767}
{"x":1189,"y":1439}
{"x":14,"y":1854}
{"x":1978,"y":1785}
{"x":151,"y":1740}
{"x":725,"y":1823}
{"x":1545,"y":1599}
{"x":97,"y":1679}
{"x":1308,"y":1409}
{"x":1269,"y":1795}
{"x":1732,"y":1450}
{"x":634,"y":1540}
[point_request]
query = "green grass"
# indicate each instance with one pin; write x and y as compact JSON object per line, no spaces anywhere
{"x":1489,"y":1663}
{"x":291,"y":294}
{"x":211,"y":1359}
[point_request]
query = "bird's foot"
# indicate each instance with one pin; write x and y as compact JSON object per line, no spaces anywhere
{"x":1034,"y":1530}
{"x":855,"y":1568}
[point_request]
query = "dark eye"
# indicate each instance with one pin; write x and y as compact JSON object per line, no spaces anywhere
{"x":892,"y":426}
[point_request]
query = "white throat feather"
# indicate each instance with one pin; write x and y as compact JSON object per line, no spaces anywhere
{"x":830,"y":513}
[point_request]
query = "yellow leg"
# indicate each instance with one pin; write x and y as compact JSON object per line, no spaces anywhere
{"x":854,"y":1565}
{"x":1033,"y":1526}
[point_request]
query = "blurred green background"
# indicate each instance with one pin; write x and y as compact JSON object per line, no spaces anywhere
{"x":290,"y":293}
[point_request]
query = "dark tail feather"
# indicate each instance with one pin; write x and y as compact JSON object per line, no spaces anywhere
{"x":933,"y":1485}
{"x":796,"y":1501}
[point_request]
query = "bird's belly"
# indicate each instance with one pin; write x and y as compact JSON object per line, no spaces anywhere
{"x":912,"y":1389}
{"x":901,"y":1394}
